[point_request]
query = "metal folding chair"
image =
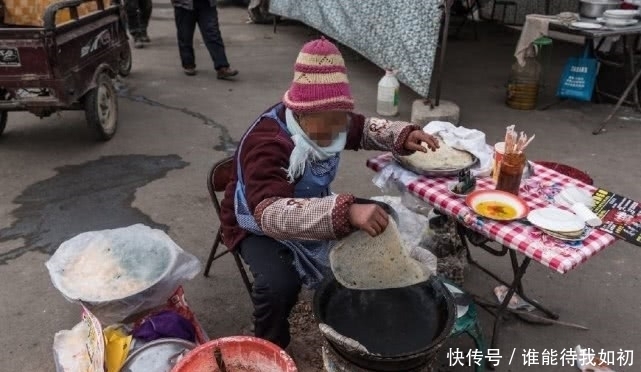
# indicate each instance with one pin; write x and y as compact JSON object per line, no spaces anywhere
{"x":465,"y":9}
{"x":218,"y":178}
{"x":505,"y":4}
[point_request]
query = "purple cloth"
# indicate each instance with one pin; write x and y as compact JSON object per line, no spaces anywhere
{"x":166,"y":324}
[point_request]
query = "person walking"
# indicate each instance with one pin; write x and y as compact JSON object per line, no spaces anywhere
{"x":138,"y":15}
{"x":188,"y":13}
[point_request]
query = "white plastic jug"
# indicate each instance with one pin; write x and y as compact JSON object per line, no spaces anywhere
{"x":387,"y":98}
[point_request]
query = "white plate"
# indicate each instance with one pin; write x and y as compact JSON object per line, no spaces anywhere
{"x":555,"y":220}
{"x":573,"y":195}
{"x":617,"y":22}
{"x":560,"y":201}
{"x":586,"y":25}
{"x":621,"y":13}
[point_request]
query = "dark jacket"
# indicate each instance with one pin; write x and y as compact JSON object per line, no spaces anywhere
{"x":189,"y":4}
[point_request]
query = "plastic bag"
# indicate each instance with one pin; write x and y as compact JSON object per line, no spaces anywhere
{"x":587,"y":361}
{"x":579,"y":76}
{"x":178,"y":303}
{"x":390,"y":181}
{"x":411,"y":227}
{"x":516,"y":302}
{"x":82,"y":348}
{"x":118,"y":341}
{"x":121,"y":272}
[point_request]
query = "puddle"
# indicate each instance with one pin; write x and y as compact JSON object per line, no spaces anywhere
{"x":95,"y":195}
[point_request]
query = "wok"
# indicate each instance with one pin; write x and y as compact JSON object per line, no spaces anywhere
{"x":401,"y":328}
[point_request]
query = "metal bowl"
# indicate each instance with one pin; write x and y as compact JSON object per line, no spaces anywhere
{"x":437,"y":172}
{"x":159,"y":355}
{"x":596,"y":8}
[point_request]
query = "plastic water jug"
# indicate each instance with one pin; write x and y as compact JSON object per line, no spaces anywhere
{"x":387,"y":98}
{"x":523,"y":84}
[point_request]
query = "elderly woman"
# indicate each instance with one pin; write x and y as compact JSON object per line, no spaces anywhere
{"x":278,"y":210}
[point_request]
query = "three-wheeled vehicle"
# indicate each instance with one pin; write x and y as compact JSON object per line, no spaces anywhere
{"x":68,"y":66}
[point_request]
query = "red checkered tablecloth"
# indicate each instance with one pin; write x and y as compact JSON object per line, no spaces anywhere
{"x":538,"y":191}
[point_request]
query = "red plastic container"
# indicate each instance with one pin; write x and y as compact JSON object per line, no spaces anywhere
{"x":240,"y":354}
{"x":626,"y":5}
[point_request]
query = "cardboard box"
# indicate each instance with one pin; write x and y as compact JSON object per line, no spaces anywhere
{"x":31,"y":12}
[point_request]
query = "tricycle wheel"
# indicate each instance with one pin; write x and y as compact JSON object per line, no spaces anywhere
{"x":3,"y":120}
{"x":124,"y":67}
{"x":101,"y":108}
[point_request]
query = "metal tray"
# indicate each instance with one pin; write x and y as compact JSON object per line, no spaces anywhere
{"x":437,"y":172}
{"x":159,"y":355}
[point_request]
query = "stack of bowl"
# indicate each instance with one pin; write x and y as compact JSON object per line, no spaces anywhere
{"x":619,"y":17}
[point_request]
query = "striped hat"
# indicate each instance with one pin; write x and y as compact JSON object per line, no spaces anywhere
{"x":320,"y":80}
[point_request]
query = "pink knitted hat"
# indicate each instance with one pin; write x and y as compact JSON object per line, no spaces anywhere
{"x":320,"y":80}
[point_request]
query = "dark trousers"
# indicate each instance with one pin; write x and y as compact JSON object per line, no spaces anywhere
{"x":206,"y":17}
{"x":138,"y":15}
{"x":275,"y":289}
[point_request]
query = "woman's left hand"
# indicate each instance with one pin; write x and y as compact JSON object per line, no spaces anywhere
{"x":416,"y":138}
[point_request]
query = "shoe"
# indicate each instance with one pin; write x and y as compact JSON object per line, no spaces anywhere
{"x":226,"y":73}
{"x":145,"y":38}
{"x":138,"y":44}
{"x":189,"y":71}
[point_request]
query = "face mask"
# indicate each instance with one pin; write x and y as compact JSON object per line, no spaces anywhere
{"x":307,"y":149}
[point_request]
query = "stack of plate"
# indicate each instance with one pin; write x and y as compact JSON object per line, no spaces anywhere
{"x":619,"y":17}
{"x":559,"y":223}
{"x":572,"y":195}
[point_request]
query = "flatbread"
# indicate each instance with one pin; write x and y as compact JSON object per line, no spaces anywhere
{"x":445,"y":157}
{"x":361,"y":261}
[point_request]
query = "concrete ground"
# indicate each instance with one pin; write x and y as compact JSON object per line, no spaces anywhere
{"x":56,"y":182}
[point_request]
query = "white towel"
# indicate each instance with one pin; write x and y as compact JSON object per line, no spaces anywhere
{"x":471,"y":140}
{"x":535,"y":26}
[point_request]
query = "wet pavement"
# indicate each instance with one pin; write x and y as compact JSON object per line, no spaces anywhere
{"x":56,"y":182}
{"x":96,"y":195}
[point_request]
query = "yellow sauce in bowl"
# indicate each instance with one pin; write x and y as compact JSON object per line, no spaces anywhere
{"x":496,"y":210}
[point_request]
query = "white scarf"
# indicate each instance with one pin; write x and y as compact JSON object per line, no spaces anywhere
{"x":306,"y":149}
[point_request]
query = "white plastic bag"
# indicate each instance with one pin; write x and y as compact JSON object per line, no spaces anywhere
{"x":390,"y":181}
{"x":82,"y":348}
{"x":121,"y":272}
{"x":470,"y":140}
{"x":411,"y":227}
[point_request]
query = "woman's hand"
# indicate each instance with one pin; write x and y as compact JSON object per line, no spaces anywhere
{"x":370,"y":218}
{"x":416,"y":138}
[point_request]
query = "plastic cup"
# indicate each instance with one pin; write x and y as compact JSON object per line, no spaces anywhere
{"x":499,"y":150}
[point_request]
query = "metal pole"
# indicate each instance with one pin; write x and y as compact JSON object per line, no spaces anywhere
{"x":444,"y":31}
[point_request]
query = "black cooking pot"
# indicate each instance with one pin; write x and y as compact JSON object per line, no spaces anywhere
{"x":402,"y":328}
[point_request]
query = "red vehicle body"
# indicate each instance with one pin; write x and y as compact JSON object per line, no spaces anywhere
{"x":69,"y":66}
